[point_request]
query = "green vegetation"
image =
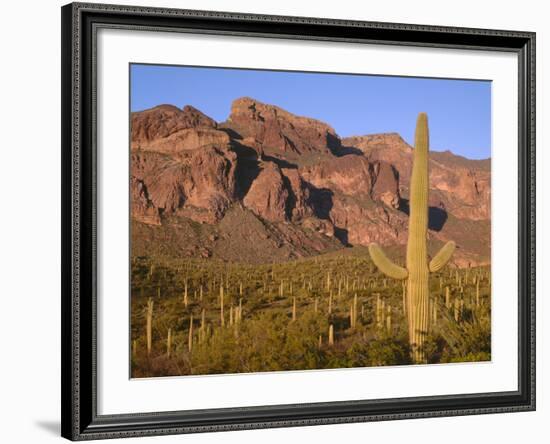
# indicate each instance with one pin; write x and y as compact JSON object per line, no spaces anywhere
{"x":203,"y":316}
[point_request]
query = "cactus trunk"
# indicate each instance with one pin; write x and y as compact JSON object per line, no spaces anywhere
{"x":417,"y":251}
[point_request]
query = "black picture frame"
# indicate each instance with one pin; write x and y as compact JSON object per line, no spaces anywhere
{"x":80,"y":420}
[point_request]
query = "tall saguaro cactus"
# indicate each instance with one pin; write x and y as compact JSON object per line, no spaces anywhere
{"x":418,"y":268}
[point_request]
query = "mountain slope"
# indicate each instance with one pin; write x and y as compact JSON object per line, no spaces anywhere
{"x":267,"y":185}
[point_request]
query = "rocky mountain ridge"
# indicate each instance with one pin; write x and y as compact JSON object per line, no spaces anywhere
{"x":301,"y":189}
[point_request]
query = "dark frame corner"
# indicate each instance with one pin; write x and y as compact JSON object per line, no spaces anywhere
{"x":80,"y":420}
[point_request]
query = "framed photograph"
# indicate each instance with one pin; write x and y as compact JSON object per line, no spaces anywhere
{"x":280,"y":221}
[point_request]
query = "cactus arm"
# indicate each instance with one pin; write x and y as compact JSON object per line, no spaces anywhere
{"x":385,"y":265}
{"x":442,"y":257}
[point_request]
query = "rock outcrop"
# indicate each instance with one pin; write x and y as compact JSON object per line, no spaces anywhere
{"x":277,"y":129}
{"x":143,"y":208}
{"x":189,"y":171}
{"x":268,"y":195}
{"x":299,"y":204}
{"x":462,"y":186}
{"x":164,"y":120}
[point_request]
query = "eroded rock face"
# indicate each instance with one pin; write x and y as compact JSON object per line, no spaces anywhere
{"x":278,"y":129}
{"x":354,"y":175}
{"x":167,"y":190}
{"x":211,"y":182}
{"x":200,"y":185}
{"x":162,"y":177}
{"x":349,"y":175}
{"x":388,"y":147}
{"x":299,"y":204}
{"x":267,"y":197}
{"x":142,"y":207}
{"x":385,"y":186}
{"x":298,"y":184}
{"x":162,"y":121}
{"x":323,"y":226}
{"x":466,"y":192}
{"x":462,"y":185}
{"x":365,"y":224}
{"x":188,"y":139}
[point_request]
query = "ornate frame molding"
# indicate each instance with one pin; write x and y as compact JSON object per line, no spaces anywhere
{"x":80,"y":420}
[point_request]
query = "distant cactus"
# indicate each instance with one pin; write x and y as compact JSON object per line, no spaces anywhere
{"x":434,"y":305}
{"x":457,"y":310}
{"x":222,"y":317}
{"x":404,"y":292}
{"x":190,"y":337}
{"x":378,"y":310}
{"x":149,"y":332}
{"x":354,"y":312}
{"x":418,"y":268}
{"x":169,"y":343}
{"x":203,"y":324}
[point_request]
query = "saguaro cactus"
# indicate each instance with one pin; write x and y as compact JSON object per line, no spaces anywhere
{"x":149,"y":327}
{"x":222,"y":317}
{"x":169,"y":343}
{"x":418,"y":268}
{"x":190,"y":337}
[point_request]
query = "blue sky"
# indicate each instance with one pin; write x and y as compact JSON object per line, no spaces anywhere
{"x":459,"y":111}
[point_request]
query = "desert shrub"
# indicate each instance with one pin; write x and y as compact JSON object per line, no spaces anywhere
{"x":378,"y":351}
{"x":465,"y":341}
